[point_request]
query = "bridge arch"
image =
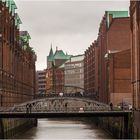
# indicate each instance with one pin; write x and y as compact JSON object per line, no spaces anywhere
{"x":60,"y":104}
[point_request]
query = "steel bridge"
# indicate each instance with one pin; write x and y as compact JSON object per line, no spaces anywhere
{"x":53,"y":107}
{"x":63,"y":107}
{"x":58,"y":104}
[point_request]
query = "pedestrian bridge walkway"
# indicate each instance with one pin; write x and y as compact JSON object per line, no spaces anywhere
{"x":58,"y":104}
{"x":61,"y":105}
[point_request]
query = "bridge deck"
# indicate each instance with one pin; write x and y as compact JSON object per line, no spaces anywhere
{"x":64,"y":114}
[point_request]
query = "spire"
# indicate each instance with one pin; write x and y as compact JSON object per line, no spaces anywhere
{"x":51,"y":51}
{"x":50,"y":57}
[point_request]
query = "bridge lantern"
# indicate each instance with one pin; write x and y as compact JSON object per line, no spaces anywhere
{"x":61,"y":94}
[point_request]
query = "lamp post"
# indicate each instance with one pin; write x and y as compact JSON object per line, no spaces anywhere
{"x":61,"y":95}
{"x":54,"y":78}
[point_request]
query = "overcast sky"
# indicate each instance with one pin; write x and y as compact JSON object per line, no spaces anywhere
{"x":70,"y":25}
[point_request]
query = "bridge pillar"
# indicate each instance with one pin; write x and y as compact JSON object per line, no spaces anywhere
{"x":126,"y":133}
{"x":1,"y":130}
{"x":35,"y":122}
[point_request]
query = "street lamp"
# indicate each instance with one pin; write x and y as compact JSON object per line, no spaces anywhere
{"x":61,"y":95}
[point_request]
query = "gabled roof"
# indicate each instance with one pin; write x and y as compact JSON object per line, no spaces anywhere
{"x":59,"y":54}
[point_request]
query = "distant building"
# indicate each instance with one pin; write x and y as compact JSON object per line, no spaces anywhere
{"x":50,"y":59}
{"x":114,"y":35}
{"x":74,"y":74}
{"x":41,"y":81}
{"x":55,"y":80}
{"x":56,"y":59}
{"x":91,"y":85}
{"x":55,"y":71}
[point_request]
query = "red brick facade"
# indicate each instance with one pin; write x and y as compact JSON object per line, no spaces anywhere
{"x":91,"y":70}
{"x":135,"y":50}
{"x":115,"y":37}
{"x":17,"y":65}
{"x":118,"y":34}
{"x":119,"y":66}
{"x":135,"y":29}
{"x":55,"y":80}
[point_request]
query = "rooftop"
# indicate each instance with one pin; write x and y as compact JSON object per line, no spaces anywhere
{"x":115,"y":14}
{"x":59,"y":54}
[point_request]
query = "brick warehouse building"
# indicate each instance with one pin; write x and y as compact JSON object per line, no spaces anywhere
{"x":55,"y":71}
{"x":91,"y":85}
{"x":17,"y":67}
{"x":119,"y":80}
{"x":114,"y":35}
{"x":135,"y":30}
{"x":17,"y":62}
{"x":55,"y":80}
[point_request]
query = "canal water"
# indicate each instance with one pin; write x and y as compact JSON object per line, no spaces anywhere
{"x":64,"y":129}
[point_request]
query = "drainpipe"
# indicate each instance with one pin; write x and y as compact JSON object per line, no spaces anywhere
{"x":136,"y":72}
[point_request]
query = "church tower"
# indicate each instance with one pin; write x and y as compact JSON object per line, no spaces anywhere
{"x":50,"y":58}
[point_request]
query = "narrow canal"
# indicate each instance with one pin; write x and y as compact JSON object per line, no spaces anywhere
{"x":64,"y":129}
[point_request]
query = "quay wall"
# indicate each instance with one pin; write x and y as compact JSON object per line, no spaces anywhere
{"x":10,"y":128}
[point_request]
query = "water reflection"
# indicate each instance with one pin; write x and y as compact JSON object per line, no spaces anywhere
{"x":64,"y":130}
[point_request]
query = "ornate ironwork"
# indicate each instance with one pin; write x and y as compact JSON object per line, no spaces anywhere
{"x":59,"y":104}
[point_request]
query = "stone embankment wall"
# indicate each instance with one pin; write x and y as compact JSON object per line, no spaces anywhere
{"x":9,"y":128}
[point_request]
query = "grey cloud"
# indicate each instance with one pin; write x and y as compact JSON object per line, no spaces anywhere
{"x":69,"y":25}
